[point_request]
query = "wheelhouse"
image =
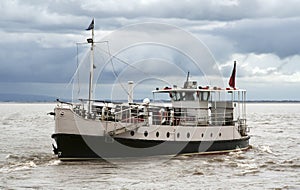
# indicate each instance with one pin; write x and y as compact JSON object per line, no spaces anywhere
{"x":201,"y":106}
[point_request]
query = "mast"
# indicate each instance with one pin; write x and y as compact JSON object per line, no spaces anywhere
{"x":91,"y":41}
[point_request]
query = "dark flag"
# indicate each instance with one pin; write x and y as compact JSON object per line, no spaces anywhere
{"x":232,"y":78}
{"x":91,"y":26}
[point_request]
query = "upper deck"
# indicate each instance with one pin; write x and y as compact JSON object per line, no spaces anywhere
{"x":202,"y":93}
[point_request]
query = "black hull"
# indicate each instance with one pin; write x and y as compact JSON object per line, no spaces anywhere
{"x":81,"y":147}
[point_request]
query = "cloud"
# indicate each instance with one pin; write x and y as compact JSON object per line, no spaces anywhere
{"x":29,"y":62}
{"x":264,"y":68}
{"x":269,"y":35}
{"x":192,"y":10}
{"x":72,"y":14}
{"x":38,"y":37}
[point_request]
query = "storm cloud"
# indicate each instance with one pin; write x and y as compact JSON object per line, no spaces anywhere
{"x":38,"y":38}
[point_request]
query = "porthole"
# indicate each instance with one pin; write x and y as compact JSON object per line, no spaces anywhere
{"x":220,"y":134}
{"x":146,"y":133}
{"x":188,"y":135}
{"x":131,"y":133}
{"x":178,"y":135}
{"x":202,"y":135}
{"x":157,"y":134}
{"x":168,"y":134}
{"x":211,"y":135}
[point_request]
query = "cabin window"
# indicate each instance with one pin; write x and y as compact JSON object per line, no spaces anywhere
{"x":168,"y":134}
{"x":183,"y":96}
{"x":204,"y":96}
{"x":157,"y":134}
{"x":146,"y":133}
{"x":131,"y":133}
{"x":175,"y":96}
{"x":190,"y":96}
{"x":188,"y":135}
{"x":178,"y":135}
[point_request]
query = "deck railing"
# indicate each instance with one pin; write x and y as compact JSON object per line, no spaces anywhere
{"x":173,"y":116}
{"x":160,"y":115}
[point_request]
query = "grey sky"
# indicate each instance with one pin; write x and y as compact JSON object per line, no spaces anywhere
{"x":38,"y":39}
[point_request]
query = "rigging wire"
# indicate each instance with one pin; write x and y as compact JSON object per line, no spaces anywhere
{"x":111,"y":57}
{"x":78,"y":84}
{"x":114,"y":71}
{"x":123,"y":61}
{"x":77,"y":71}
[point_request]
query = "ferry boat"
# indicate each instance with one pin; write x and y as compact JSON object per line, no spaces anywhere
{"x":196,"y":120}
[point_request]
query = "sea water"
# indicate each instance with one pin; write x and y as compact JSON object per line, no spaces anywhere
{"x":273,"y":162}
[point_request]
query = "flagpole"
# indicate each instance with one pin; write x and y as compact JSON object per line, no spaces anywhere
{"x":91,"y":74}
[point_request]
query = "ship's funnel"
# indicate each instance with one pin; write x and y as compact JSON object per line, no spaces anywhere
{"x":130,"y":91}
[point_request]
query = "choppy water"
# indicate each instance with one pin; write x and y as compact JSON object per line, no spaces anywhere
{"x":26,"y":159}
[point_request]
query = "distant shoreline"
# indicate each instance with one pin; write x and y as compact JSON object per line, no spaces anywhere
{"x":30,"y":98}
{"x":273,"y":101}
{"x":248,"y":101}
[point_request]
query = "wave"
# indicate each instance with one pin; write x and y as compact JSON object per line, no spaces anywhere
{"x":262,"y":149}
{"x":26,"y":162}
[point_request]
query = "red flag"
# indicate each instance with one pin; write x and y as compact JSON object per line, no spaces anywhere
{"x":232,"y":78}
